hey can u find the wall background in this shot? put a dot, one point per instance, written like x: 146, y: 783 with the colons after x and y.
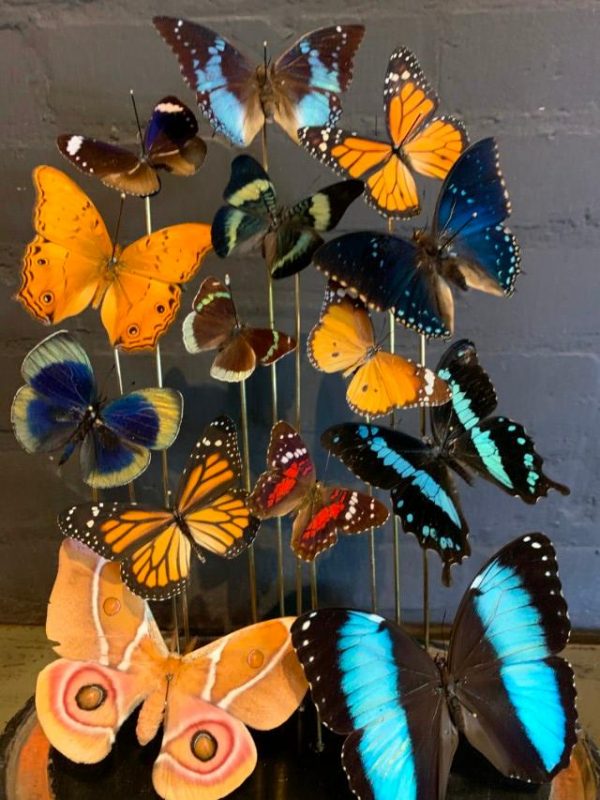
x: 525, y: 72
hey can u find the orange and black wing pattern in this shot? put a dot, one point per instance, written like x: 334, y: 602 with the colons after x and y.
x: 418, y: 142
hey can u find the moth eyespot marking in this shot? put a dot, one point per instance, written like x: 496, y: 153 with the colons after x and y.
x: 255, y: 658
x: 204, y: 746
x: 111, y: 606
x: 90, y: 697
x: 47, y: 297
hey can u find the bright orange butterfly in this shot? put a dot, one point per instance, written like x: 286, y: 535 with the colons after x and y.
x: 419, y: 142
x: 344, y: 341
x: 154, y: 545
x: 72, y: 263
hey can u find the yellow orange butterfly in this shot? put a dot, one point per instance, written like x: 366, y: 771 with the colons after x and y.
x: 114, y: 660
x: 344, y: 341
x: 418, y: 142
x: 71, y: 263
x: 154, y: 545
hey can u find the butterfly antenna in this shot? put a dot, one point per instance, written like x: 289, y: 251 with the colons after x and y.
x: 265, y: 54
x: 461, y: 229
x: 228, y: 285
x: 102, y: 388
x: 117, y: 229
x: 137, y: 121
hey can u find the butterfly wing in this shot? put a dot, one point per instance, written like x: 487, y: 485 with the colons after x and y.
x: 342, y: 338
x: 382, y: 270
x: 289, y: 476
x: 148, y: 417
x: 222, y: 77
x: 374, y: 684
x: 470, y: 211
x: 64, y: 263
x: 310, y: 76
x: 516, y: 695
x: 211, y: 322
x: 60, y: 386
x: 117, y: 167
x: 170, y: 139
x: 268, y: 345
x: 331, y: 509
x: 422, y: 490
x: 251, y: 202
x: 143, y: 299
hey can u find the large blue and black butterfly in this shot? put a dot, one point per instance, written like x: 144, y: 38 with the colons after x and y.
x: 169, y: 143
x: 501, y: 683
x: 289, y: 236
x: 465, y: 439
x: 302, y: 87
x: 59, y: 408
x: 468, y: 246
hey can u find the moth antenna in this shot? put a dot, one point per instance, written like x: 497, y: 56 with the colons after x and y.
x: 137, y: 121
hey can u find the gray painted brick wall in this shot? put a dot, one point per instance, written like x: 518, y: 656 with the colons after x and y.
x: 523, y: 71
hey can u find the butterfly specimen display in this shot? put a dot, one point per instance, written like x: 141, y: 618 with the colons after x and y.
x: 169, y: 142
x: 113, y: 660
x: 418, y: 141
x: 465, y: 439
x: 60, y: 408
x: 501, y: 684
x: 214, y: 325
x: 344, y: 341
x: 154, y: 545
x: 301, y: 87
x: 289, y: 485
x: 72, y: 263
x: 289, y: 236
x: 468, y: 247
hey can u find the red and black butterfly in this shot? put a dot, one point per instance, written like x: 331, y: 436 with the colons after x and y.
x: 214, y: 325
x: 290, y: 485
x: 169, y: 142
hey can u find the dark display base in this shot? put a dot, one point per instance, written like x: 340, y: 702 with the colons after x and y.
x: 289, y: 768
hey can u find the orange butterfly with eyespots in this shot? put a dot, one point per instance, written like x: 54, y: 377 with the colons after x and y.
x: 418, y: 142
x: 155, y: 545
x: 72, y: 263
x: 344, y: 341
x: 113, y: 660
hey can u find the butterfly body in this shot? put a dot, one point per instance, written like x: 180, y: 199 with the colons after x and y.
x: 502, y: 683
x: 114, y: 660
x: 169, y: 143
x: 153, y: 544
x: 300, y: 87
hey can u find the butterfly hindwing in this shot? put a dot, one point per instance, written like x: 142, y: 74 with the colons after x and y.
x: 170, y: 139
x: 373, y: 683
x: 516, y: 696
x: 211, y: 322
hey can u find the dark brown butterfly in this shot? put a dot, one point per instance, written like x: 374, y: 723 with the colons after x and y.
x: 214, y: 325
x: 169, y: 143
x: 301, y: 87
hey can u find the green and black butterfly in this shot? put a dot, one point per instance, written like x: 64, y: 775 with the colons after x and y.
x: 289, y: 236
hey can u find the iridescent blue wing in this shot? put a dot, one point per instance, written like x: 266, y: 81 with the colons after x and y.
x: 148, y: 417
x: 251, y: 204
x: 496, y: 448
x: 470, y: 212
x: 374, y: 684
x: 222, y: 77
x: 421, y: 486
x: 382, y: 270
x: 60, y: 387
x: 309, y: 77
x: 170, y: 140
x: 516, y: 698
x: 290, y: 248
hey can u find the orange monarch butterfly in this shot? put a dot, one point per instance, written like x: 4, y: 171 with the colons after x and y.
x: 418, y: 142
x: 344, y: 341
x: 154, y: 545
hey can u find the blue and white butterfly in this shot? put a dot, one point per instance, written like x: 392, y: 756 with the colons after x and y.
x: 501, y: 683
x: 468, y: 247
x: 60, y: 408
x: 466, y: 440
x: 302, y: 87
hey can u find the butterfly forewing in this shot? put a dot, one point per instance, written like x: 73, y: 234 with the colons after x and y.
x: 372, y: 681
x: 290, y: 474
x: 516, y: 696
x: 170, y: 139
x: 211, y: 322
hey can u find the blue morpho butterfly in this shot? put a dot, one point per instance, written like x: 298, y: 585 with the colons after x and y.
x: 302, y: 87
x: 468, y: 246
x: 465, y: 439
x: 501, y: 683
x: 289, y: 236
x: 169, y: 143
x: 59, y: 408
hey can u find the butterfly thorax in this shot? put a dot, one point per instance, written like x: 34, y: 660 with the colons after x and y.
x: 435, y: 256
x: 266, y: 90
